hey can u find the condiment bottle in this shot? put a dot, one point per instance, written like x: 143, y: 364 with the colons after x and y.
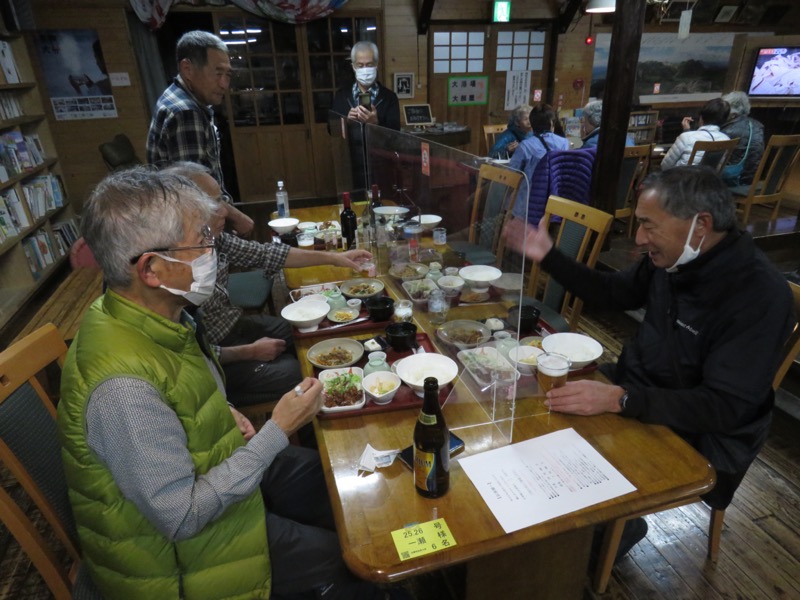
x: 377, y: 362
x: 438, y: 306
x: 434, y: 272
x: 336, y: 299
x: 431, y: 445
x: 403, y: 310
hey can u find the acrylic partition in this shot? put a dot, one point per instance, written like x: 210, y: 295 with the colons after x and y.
x: 417, y: 178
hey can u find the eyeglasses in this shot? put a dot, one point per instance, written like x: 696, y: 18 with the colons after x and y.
x: 209, y: 241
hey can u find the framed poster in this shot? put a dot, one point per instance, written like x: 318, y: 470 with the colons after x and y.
x: 467, y: 91
x: 418, y: 114
x: 404, y: 85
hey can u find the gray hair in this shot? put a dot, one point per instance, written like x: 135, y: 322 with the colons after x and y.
x: 685, y: 191
x: 186, y: 168
x: 361, y: 47
x: 194, y: 46
x: 136, y: 210
x: 522, y: 111
x: 739, y: 102
x: 592, y: 113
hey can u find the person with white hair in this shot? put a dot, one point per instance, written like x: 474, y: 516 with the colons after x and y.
x: 519, y: 129
x: 383, y: 108
x: 590, y: 123
x: 744, y: 159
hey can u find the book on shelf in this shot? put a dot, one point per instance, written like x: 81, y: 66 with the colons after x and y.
x: 9, y: 107
x: 60, y: 246
x: 35, y: 148
x: 14, y: 140
x: 45, y: 247
x: 16, y: 210
x: 7, y: 224
x: 68, y: 231
x: 7, y: 63
x: 30, y: 248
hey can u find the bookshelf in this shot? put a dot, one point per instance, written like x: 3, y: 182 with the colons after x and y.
x: 643, y: 125
x: 37, y: 224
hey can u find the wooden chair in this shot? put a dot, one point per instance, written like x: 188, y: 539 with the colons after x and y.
x: 635, y: 162
x: 493, y: 202
x: 773, y: 170
x: 715, y: 153
x: 613, y: 532
x: 490, y: 134
x: 580, y: 235
x: 30, y: 449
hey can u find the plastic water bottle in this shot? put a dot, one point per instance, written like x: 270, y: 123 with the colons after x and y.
x: 282, y: 198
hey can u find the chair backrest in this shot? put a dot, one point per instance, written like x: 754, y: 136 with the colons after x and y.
x: 490, y: 134
x: 776, y: 163
x: 494, y: 200
x: 715, y: 154
x: 119, y: 153
x: 581, y: 234
x: 791, y: 348
x: 635, y: 161
x: 30, y: 449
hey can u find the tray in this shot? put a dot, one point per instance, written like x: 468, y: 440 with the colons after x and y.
x: 345, y: 330
x: 405, y: 397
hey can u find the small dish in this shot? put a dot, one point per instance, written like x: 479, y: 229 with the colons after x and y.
x: 524, y: 358
x: 419, y: 290
x: 342, y: 389
x: 343, y: 315
x: 473, y: 297
x: 532, y: 340
x: 408, y: 271
x: 381, y: 386
x: 464, y: 334
x: 335, y: 353
x: 307, y: 226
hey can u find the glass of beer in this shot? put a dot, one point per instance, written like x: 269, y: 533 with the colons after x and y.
x: 552, y: 370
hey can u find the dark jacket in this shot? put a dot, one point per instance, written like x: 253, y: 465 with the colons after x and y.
x: 738, y: 127
x: 703, y: 360
x: 385, y: 103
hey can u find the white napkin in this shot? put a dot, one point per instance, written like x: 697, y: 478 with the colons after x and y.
x: 372, y: 459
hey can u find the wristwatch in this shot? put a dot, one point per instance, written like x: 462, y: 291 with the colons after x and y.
x: 623, y: 400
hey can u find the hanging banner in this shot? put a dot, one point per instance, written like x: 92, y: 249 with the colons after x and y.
x: 518, y: 89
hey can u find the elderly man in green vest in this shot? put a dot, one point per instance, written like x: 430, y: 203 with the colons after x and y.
x: 174, y: 493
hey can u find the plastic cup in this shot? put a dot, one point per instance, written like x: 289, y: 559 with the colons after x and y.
x: 552, y: 370
x: 305, y: 240
x: 439, y: 236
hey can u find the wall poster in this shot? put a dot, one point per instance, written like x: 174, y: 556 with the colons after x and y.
x: 692, y: 69
x: 466, y: 91
x: 75, y: 73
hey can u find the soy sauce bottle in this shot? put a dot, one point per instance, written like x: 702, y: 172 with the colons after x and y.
x: 431, y: 445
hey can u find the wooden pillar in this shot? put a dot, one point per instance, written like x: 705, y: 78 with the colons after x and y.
x: 623, y: 56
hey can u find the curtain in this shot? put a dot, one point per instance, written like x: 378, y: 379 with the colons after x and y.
x: 145, y: 47
x: 154, y: 12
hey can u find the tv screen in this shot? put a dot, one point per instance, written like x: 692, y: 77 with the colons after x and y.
x: 777, y: 72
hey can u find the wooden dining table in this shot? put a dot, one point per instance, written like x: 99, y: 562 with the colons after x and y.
x: 545, y: 561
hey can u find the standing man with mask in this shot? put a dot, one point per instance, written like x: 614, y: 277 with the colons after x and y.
x: 183, y: 127
x: 383, y: 108
x: 718, y: 314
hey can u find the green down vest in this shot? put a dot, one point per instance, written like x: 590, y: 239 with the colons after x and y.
x: 128, y: 557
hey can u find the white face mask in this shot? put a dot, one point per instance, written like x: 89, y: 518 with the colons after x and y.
x: 366, y: 76
x: 204, y: 277
x: 688, y: 254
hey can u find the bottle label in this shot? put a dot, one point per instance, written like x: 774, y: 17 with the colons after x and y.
x: 425, y: 470
x: 426, y: 419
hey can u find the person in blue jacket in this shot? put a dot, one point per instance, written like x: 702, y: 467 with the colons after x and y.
x: 519, y: 129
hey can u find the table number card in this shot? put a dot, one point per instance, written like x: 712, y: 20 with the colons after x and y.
x: 422, y: 538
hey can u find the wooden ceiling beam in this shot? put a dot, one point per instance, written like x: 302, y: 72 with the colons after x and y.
x: 566, y: 16
x: 425, y: 12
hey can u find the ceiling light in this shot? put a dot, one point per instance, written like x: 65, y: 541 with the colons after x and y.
x: 601, y: 6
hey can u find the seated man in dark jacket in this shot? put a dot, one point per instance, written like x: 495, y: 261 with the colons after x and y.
x: 718, y: 313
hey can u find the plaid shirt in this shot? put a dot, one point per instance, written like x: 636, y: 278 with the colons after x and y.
x: 182, y: 129
x: 219, y: 315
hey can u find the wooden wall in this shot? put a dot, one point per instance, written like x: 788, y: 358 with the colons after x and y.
x: 77, y: 141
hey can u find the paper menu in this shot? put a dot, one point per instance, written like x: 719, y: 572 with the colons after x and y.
x: 540, y: 479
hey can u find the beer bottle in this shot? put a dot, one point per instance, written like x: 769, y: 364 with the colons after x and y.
x: 431, y: 445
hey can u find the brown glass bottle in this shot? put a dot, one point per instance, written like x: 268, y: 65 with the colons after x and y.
x: 431, y: 445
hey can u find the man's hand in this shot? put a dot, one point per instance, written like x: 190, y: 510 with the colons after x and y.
x: 526, y: 239
x: 266, y: 349
x: 240, y: 223
x: 351, y: 258
x: 295, y: 410
x: 686, y: 123
x: 243, y: 423
x: 512, y: 146
x: 364, y: 115
x: 585, y: 397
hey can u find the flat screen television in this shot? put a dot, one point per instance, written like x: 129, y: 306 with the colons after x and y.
x: 776, y: 73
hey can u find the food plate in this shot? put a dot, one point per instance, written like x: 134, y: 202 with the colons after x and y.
x: 323, y: 288
x: 342, y: 385
x: 419, y: 290
x: 486, y: 365
x: 473, y: 297
x: 325, y: 225
x: 408, y: 271
x: 320, y: 354
x: 532, y: 340
x: 361, y: 288
x: 343, y: 315
x: 464, y: 334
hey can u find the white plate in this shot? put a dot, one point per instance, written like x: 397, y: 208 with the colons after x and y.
x: 347, y: 286
x: 329, y: 374
x: 351, y: 312
x: 480, y: 362
x: 321, y: 348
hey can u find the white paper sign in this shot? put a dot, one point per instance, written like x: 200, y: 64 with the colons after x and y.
x: 518, y: 89
x: 543, y: 478
x: 120, y: 79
